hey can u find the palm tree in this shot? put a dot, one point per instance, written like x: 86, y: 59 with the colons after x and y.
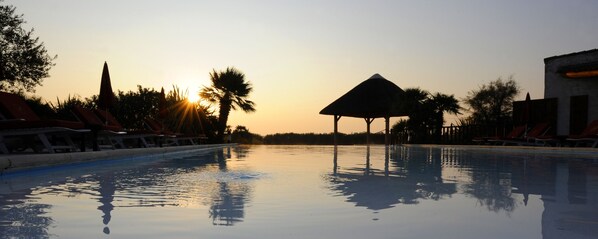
x: 441, y: 103
x: 414, y: 102
x: 444, y: 103
x: 230, y: 90
x: 426, y: 112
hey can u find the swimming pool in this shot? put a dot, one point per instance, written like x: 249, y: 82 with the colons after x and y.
x: 311, y: 192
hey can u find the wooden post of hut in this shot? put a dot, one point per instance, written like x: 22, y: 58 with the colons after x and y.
x: 386, y: 132
x: 368, y: 121
x: 336, y: 119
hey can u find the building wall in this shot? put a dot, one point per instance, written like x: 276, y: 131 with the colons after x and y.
x: 556, y: 85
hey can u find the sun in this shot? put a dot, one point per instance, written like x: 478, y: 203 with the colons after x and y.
x: 193, y: 96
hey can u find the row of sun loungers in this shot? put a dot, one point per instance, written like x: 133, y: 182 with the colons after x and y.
x: 21, y: 129
x: 537, y: 136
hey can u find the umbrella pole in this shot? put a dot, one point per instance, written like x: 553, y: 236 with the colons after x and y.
x: 336, y: 119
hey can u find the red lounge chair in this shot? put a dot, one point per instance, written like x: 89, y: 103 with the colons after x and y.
x: 22, y: 124
x: 530, y: 137
x: 146, y: 138
x: 516, y: 133
x: 588, y: 135
x: 99, y: 130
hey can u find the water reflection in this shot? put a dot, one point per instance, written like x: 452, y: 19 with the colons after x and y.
x: 19, y: 219
x: 189, y: 181
x: 523, y: 194
x: 405, y: 183
x: 106, y: 190
x: 500, y: 182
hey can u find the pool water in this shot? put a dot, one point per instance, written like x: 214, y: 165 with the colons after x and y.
x: 311, y: 192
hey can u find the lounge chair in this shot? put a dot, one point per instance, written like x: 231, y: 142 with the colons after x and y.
x: 174, y: 137
x: 516, y: 133
x: 526, y: 137
x: 20, y: 128
x: 109, y: 133
x: 588, y: 136
x: 145, y: 138
x: 531, y: 136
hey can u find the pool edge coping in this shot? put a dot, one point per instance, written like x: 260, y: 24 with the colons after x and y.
x: 15, y: 162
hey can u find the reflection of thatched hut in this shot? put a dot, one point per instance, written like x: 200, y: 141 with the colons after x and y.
x: 377, y: 192
x: 374, y: 98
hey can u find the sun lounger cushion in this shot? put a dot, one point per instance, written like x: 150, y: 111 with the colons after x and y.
x: 16, y: 108
x: 92, y: 121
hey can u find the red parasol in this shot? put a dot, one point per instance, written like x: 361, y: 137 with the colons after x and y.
x: 526, y: 112
x: 106, y: 98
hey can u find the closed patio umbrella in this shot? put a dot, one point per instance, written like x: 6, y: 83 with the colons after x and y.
x: 526, y: 112
x: 106, y: 98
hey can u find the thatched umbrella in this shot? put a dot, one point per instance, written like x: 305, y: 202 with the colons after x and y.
x: 106, y: 98
x: 376, y: 97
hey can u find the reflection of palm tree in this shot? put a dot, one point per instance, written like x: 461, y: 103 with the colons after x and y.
x: 230, y: 90
x: 228, y: 206
x: 228, y: 202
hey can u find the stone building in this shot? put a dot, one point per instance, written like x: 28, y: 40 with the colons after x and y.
x: 573, y: 80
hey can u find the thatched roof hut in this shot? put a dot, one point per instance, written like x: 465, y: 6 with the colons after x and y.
x: 376, y: 97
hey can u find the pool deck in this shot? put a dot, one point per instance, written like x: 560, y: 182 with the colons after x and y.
x: 562, y: 152
x: 20, y: 162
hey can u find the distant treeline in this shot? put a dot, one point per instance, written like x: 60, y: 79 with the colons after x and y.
x: 322, y: 139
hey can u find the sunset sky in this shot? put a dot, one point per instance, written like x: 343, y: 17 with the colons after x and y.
x: 302, y: 55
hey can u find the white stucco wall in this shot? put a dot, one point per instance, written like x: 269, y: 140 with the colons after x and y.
x: 557, y: 86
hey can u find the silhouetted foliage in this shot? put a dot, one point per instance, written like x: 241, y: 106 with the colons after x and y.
x: 24, y: 61
x: 64, y: 108
x: 493, y: 103
x: 230, y: 90
x: 132, y: 107
x: 40, y: 107
x: 242, y: 135
x: 188, y: 117
x: 426, y: 114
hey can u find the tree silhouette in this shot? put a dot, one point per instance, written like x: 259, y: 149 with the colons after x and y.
x: 24, y: 61
x: 493, y: 103
x: 230, y: 90
x: 441, y: 103
x: 426, y: 112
